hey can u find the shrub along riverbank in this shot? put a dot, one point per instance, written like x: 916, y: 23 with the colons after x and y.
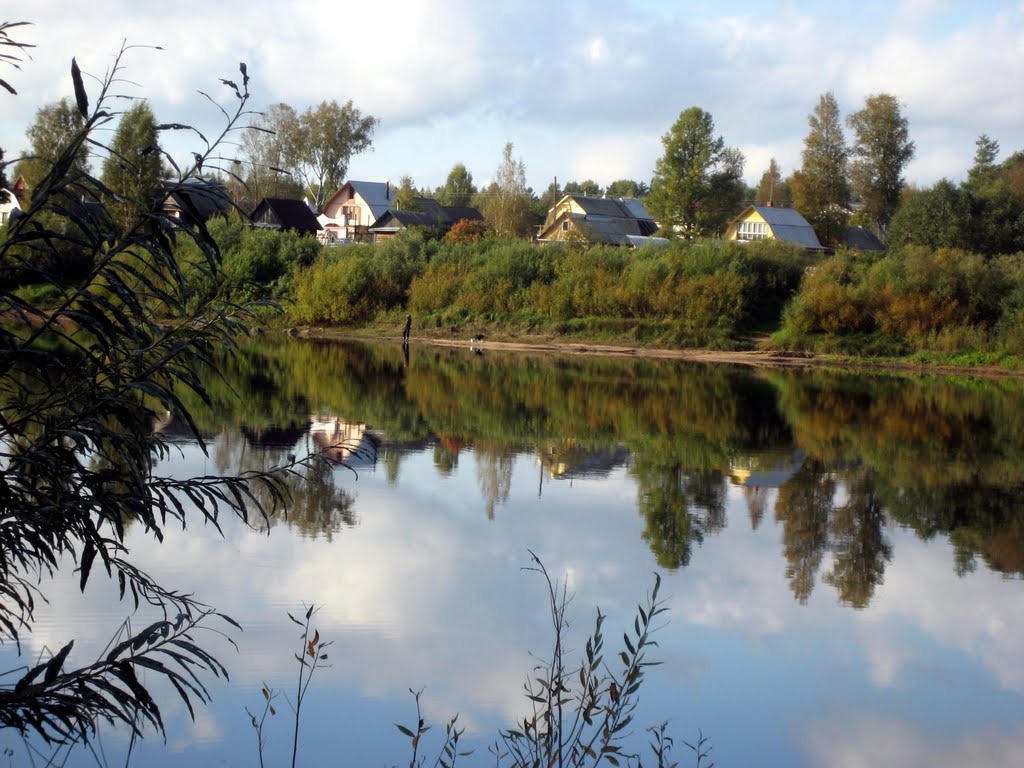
x: 929, y: 305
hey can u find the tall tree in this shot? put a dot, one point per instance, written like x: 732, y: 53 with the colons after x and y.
x: 882, y: 148
x: 697, y: 182
x: 821, y: 188
x: 132, y: 169
x: 507, y: 206
x: 326, y: 138
x: 984, y: 171
x: 53, y: 130
x: 772, y: 189
x: 267, y: 166
x: 458, y: 188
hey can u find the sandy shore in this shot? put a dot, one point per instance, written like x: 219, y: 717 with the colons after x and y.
x: 753, y: 358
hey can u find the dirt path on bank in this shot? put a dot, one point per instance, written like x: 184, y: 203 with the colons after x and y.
x: 757, y: 358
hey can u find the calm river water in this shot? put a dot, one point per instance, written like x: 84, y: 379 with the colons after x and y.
x: 841, y: 555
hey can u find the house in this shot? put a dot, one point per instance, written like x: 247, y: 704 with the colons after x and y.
x: 615, y: 221
x: 427, y: 213
x: 192, y: 199
x: 353, y: 209
x: 768, y: 222
x: 284, y: 214
x: 13, y: 199
x: 862, y: 239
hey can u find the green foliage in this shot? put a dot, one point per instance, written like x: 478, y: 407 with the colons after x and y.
x: 697, y: 183
x: 56, y: 127
x: 881, y: 150
x: 131, y: 172
x: 82, y: 383
x: 267, y: 167
x: 507, y: 205
x: 458, y: 188
x: 820, y: 188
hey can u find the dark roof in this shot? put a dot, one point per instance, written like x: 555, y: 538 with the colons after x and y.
x: 210, y: 198
x: 610, y: 206
x: 862, y: 239
x: 429, y: 213
x: 282, y: 213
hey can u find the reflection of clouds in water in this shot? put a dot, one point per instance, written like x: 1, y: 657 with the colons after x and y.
x: 426, y: 592
x: 884, y: 743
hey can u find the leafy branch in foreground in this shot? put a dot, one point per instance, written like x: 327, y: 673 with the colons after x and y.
x: 81, y: 382
x: 581, y: 715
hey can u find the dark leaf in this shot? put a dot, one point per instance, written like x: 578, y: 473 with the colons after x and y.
x: 81, y: 98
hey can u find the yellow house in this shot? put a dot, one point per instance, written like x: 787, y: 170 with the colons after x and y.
x: 766, y: 222
x: 615, y: 221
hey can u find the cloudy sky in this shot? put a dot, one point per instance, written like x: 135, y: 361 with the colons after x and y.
x: 583, y: 88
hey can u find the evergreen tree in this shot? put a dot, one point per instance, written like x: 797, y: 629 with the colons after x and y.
x: 821, y: 189
x: 132, y: 169
x: 697, y: 183
x: 882, y: 148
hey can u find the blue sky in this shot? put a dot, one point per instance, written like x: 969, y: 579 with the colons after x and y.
x: 584, y: 89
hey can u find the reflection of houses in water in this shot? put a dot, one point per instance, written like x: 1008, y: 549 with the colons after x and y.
x: 175, y: 429
x: 569, y: 461
x: 339, y: 441
x: 276, y: 437
x: 765, y: 469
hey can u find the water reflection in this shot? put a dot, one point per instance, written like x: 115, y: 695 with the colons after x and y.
x: 836, y: 458
x: 777, y: 502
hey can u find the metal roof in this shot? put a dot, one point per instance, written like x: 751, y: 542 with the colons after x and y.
x: 786, y: 224
x: 377, y: 194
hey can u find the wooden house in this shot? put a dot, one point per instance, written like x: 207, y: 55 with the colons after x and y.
x: 768, y: 222
x: 615, y: 221
x: 195, y: 199
x: 284, y: 214
x: 427, y: 213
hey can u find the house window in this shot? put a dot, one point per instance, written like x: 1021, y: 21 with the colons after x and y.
x: 3, y: 217
x: 350, y: 213
x: 752, y: 230
x: 565, y: 226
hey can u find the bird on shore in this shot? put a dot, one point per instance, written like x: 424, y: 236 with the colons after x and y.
x: 475, y: 339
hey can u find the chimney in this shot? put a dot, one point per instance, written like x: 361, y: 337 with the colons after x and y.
x: 387, y: 190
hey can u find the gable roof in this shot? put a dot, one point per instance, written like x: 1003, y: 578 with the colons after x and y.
x: 862, y: 239
x: 284, y: 213
x: 378, y: 195
x: 785, y: 223
x: 210, y: 198
x: 607, y: 220
x: 429, y: 213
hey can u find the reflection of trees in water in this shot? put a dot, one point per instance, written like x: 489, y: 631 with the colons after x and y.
x: 757, y: 504
x: 679, y: 508
x: 812, y: 524
x: 494, y: 463
x: 858, y: 543
x: 803, y: 507
x: 318, y: 505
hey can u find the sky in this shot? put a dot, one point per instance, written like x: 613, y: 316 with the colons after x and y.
x: 584, y: 89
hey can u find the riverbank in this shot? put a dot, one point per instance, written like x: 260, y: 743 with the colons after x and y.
x: 760, y: 357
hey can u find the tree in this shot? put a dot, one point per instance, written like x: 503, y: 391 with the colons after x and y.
x: 940, y: 217
x: 821, y: 189
x: 984, y: 171
x: 772, y: 189
x: 132, y: 169
x: 882, y: 148
x: 587, y: 188
x: 3, y: 176
x: 405, y: 197
x: 267, y: 167
x: 458, y: 188
x: 697, y: 183
x: 81, y: 384
x: 507, y: 206
x: 54, y: 128
x: 627, y: 188
x: 324, y: 140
